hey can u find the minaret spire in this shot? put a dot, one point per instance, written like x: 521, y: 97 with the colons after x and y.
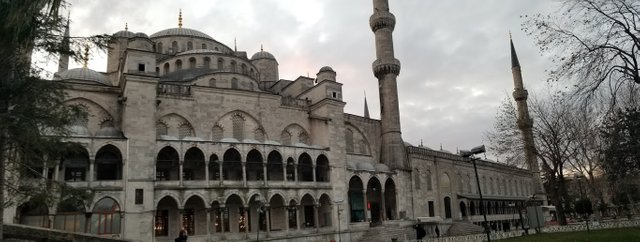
x: 180, y: 18
x: 386, y: 68
x: 63, y: 62
x: 366, y: 106
x: 525, y: 123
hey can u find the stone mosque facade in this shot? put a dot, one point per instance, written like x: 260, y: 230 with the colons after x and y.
x: 185, y: 132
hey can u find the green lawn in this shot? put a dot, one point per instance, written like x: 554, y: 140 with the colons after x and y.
x: 606, y: 235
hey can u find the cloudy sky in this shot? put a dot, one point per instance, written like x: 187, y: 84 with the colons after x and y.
x: 454, y: 54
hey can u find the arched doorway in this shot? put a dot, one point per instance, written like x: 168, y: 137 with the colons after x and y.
x: 277, y: 213
x: 374, y: 200
x: 390, y: 199
x: 194, y: 221
x: 463, y: 209
x: 447, y: 207
x: 166, y: 217
x: 356, y: 200
x: 308, y: 206
x: 234, y: 216
x: 324, y: 211
x: 106, y: 217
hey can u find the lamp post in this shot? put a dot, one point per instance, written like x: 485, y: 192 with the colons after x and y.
x: 579, y: 178
x: 468, y: 154
x: 338, y: 202
x: 260, y: 211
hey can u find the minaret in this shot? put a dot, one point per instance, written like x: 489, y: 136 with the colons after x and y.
x: 525, y: 123
x: 63, y: 62
x: 386, y: 68
x: 366, y: 106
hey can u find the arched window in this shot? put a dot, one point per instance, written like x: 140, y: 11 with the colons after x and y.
x: 166, y: 68
x: 174, y: 47
x: 234, y: 83
x: 217, y: 133
x: 220, y: 63
x: 356, y: 199
x: 274, y: 166
x: 238, y: 126
x: 185, y: 130
x: 349, y: 140
x: 161, y: 129
x: 429, y: 181
x: 447, y: 207
x: 460, y: 184
x: 167, y: 164
x: 303, y: 138
x: 76, y: 165
x: 189, y: 45
x: 108, y: 163
x: 232, y: 165
x: 233, y: 66
x: 254, y: 166
x: 193, y: 165
x: 106, y: 217
x: 159, y: 48
x: 363, y: 147
x: 291, y: 170
x: 207, y: 62
x: 285, y: 138
x: 204, y: 46
x: 243, y: 68
x: 192, y: 63
x: 212, y: 82
x: 259, y: 134
x: 178, y: 65
x: 305, y: 168
x: 322, y: 169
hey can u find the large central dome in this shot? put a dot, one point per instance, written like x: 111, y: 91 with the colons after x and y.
x: 181, y: 32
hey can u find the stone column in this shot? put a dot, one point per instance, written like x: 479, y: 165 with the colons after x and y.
x: 221, y: 176
x: 208, y: 211
x: 298, y: 220
x: 91, y: 176
x: 366, y: 209
x: 180, y: 175
x: 222, y: 210
x: 284, y: 172
x: 265, y: 174
x: 316, y: 220
x: 295, y: 173
x: 383, y: 205
x: 56, y: 173
x: 244, y: 174
x: 288, y: 218
x: 206, y: 171
x: 314, y: 173
x: 247, y: 225
x: 267, y: 213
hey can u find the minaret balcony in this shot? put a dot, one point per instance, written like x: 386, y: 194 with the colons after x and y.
x: 520, y: 94
x: 382, y: 67
x: 382, y: 19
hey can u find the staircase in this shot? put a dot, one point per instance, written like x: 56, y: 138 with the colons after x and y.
x: 463, y: 228
x: 387, y: 232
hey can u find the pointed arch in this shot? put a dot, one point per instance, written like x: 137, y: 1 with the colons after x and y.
x: 194, y: 165
x: 390, y: 199
x: 108, y: 163
x: 323, y: 170
x: 232, y: 165
x: 305, y: 167
x: 167, y: 164
x: 254, y: 166
x: 274, y: 166
x: 356, y: 199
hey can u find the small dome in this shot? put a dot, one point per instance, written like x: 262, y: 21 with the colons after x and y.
x: 124, y: 34
x: 83, y: 74
x: 262, y: 55
x: 365, y: 166
x: 141, y: 35
x: 181, y: 32
x: 109, y: 132
x: 79, y: 131
x: 382, y: 167
x: 326, y: 68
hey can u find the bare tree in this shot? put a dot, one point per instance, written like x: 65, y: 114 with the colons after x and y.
x: 595, y: 44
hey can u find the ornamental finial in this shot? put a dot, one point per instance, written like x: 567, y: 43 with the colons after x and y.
x: 180, y: 18
x: 86, y: 56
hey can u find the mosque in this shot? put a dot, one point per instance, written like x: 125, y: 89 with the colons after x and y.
x: 187, y: 133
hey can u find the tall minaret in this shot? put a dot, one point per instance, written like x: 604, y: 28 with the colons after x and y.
x: 63, y: 62
x: 366, y: 107
x: 525, y: 123
x: 386, y: 68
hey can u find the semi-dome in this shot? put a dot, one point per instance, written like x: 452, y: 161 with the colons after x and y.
x: 83, y: 74
x: 124, y: 34
x: 326, y: 68
x: 262, y: 55
x: 181, y: 32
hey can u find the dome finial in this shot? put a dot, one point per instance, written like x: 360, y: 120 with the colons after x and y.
x: 261, y: 49
x: 180, y: 18
x: 86, y: 56
x: 126, y: 26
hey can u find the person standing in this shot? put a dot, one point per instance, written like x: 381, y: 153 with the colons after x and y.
x: 182, y: 237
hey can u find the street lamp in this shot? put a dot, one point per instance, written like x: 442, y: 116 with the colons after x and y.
x: 579, y: 178
x: 338, y: 202
x: 260, y: 209
x: 468, y: 154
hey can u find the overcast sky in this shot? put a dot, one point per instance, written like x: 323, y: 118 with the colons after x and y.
x: 454, y: 53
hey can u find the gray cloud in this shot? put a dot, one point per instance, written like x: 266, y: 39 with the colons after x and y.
x: 454, y: 54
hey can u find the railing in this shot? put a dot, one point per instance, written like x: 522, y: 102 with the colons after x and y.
x: 548, y: 229
x: 294, y: 102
